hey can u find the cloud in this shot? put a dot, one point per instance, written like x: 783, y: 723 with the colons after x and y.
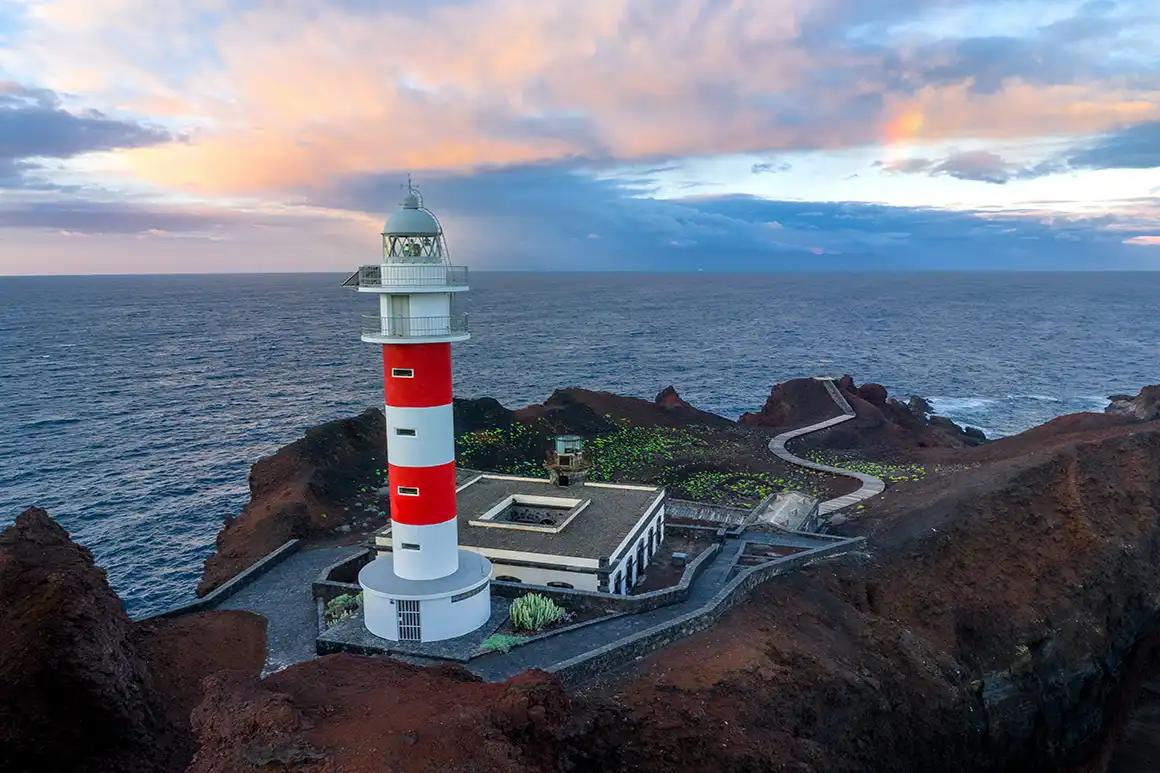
x: 771, y: 167
x: 545, y: 217
x: 1144, y: 241
x: 94, y: 218
x: 279, y: 96
x: 1134, y: 147
x: 542, y: 216
x: 33, y: 125
x: 519, y: 117
x: 973, y: 165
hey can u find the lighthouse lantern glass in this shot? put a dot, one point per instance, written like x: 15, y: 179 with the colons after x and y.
x: 412, y: 249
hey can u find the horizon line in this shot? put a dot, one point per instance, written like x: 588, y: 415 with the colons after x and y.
x: 714, y: 271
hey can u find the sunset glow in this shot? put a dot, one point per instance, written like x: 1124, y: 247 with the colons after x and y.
x: 635, y: 119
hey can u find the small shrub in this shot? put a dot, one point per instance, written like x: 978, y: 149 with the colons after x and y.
x: 534, y: 612
x: 342, y: 606
x: 497, y: 642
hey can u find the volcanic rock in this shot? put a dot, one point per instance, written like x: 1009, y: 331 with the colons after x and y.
x: 587, y: 412
x: 875, y: 394
x: 1144, y: 406
x: 882, y: 423
x: 351, y: 713
x: 182, y: 651
x: 300, y: 492
x: 480, y: 413
x: 75, y: 691
x: 919, y: 406
x: 668, y: 398
x: 794, y: 404
x: 985, y: 627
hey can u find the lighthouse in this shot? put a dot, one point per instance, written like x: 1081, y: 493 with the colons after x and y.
x: 425, y: 588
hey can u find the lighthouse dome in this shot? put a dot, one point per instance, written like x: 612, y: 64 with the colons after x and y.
x: 410, y: 219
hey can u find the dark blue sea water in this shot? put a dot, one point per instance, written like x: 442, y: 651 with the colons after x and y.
x: 132, y: 407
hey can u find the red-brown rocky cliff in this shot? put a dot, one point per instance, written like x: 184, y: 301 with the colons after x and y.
x: 985, y: 628
x: 882, y: 425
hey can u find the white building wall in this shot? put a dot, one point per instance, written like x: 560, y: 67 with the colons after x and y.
x: 536, y: 576
x: 431, y: 305
x: 628, y: 581
x: 438, y: 553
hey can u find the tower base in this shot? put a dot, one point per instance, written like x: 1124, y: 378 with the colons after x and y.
x: 398, y: 609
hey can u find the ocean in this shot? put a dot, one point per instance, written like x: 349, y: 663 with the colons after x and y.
x: 132, y: 407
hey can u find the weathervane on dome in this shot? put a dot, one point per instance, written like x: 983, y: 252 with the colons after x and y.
x: 413, y: 190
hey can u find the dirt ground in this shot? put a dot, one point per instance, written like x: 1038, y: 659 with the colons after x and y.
x: 660, y: 572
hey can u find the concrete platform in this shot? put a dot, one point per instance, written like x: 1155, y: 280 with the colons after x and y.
x: 351, y: 635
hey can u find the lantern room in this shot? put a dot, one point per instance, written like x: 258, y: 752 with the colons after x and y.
x: 412, y: 234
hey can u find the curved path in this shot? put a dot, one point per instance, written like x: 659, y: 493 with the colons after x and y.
x: 871, y: 486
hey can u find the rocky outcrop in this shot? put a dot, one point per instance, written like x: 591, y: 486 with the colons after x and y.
x: 1144, y: 406
x: 75, y: 691
x: 586, y: 411
x: 668, y: 398
x: 349, y: 713
x: 308, y: 489
x: 182, y: 651
x: 986, y: 628
x: 480, y: 413
x: 794, y: 404
x: 882, y: 423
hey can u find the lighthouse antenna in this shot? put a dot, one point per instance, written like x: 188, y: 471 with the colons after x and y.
x: 413, y: 188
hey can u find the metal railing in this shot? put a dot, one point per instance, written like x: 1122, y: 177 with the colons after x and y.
x: 414, y: 275
x: 414, y: 327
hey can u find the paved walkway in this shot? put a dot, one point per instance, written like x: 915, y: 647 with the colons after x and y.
x: 871, y: 486
x: 556, y: 649
x: 284, y: 596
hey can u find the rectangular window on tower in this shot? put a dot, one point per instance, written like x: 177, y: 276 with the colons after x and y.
x: 405, y: 432
x: 408, y: 491
x: 408, y: 546
x: 402, y: 373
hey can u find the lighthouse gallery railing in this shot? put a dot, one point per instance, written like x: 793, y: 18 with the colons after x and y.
x: 414, y: 275
x: 414, y: 327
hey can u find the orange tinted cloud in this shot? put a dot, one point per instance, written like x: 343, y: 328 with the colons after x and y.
x: 292, y: 94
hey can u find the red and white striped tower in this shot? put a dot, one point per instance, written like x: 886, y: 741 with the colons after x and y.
x: 427, y: 588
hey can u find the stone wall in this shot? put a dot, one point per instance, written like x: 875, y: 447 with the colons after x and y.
x: 616, y: 654
x: 244, y: 578
x: 325, y: 589
x: 704, y: 511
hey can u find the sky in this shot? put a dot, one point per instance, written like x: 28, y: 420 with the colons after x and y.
x: 189, y: 136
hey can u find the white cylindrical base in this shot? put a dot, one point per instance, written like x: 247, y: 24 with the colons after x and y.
x: 397, y: 609
x: 425, y: 552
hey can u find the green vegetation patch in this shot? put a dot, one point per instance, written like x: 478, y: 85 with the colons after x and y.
x: 498, y: 642
x: 638, y: 450
x: 515, y: 449
x: 888, y: 471
x: 745, y: 487
x: 342, y: 606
